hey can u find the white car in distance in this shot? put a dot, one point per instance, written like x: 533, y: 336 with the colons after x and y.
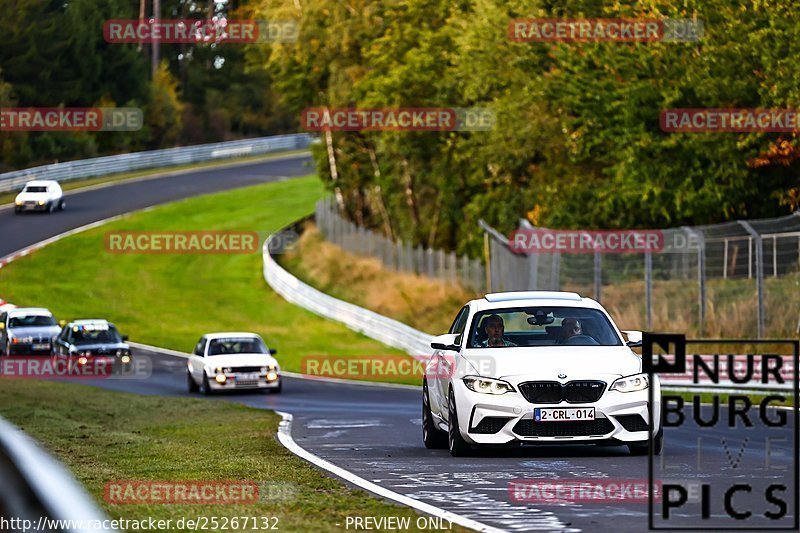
x: 232, y: 361
x: 537, y: 367
x: 40, y: 195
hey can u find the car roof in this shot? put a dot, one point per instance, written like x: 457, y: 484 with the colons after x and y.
x: 89, y: 321
x: 501, y: 300
x: 227, y: 334
x: 29, y: 311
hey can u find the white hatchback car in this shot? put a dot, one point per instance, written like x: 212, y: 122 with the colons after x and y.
x: 41, y: 195
x: 537, y: 367
x: 232, y: 361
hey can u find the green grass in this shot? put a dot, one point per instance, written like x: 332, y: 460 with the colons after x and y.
x: 171, y: 300
x: 104, y: 436
x: 8, y: 197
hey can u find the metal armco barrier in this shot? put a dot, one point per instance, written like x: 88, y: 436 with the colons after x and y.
x: 114, y: 164
x: 415, y: 342
x: 36, y: 488
x: 378, y: 327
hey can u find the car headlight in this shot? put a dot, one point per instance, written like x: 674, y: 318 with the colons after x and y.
x: 221, y: 378
x: 633, y: 383
x: 125, y: 359
x: 19, y: 202
x: 41, y: 202
x: 487, y: 385
x: 220, y: 370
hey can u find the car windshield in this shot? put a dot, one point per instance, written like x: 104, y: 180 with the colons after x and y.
x: 236, y: 345
x: 31, y: 321
x: 35, y: 188
x: 95, y: 334
x: 542, y: 326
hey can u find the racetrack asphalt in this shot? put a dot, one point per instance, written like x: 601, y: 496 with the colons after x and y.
x: 375, y: 432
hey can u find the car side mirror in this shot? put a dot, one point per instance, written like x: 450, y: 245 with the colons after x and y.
x: 634, y: 338
x: 273, y: 351
x: 62, y: 323
x: 124, y: 338
x: 446, y: 342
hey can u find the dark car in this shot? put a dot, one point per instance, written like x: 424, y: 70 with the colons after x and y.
x: 88, y: 343
x: 27, y: 331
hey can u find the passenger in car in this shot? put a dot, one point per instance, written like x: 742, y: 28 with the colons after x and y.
x: 495, y: 327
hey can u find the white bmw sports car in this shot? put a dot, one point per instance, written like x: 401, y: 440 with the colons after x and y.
x: 537, y: 368
x: 232, y: 361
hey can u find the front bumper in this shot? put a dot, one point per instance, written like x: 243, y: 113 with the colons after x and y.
x: 236, y: 382
x: 38, y: 347
x: 28, y: 206
x: 502, y: 419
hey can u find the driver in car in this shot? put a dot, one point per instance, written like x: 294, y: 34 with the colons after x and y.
x: 495, y: 328
x: 570, y: 327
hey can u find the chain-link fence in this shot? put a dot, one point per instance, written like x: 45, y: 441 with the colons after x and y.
x: 737, y: 278
x: 398, y: 256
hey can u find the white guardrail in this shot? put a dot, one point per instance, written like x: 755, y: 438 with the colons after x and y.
x: 38, y: 492
x: 114, y: 164
x: 417, y: 343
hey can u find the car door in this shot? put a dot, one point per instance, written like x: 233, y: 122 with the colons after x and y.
x: 197, y: 359
x: 445, y: 361
x: 60, y: 347
x: 3, y: 320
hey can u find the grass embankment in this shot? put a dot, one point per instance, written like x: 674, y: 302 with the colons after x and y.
x: 427, y: 304
x: 8, y: 197
x: 171, y: 300
x: 104, y: 437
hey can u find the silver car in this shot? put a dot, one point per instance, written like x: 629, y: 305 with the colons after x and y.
x: 27, y: 331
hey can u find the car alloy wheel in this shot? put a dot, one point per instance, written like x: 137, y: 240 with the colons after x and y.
x: 456, y: 443
x: 433, y: 437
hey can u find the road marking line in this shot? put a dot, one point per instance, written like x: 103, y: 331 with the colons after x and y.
x: 285, y: 438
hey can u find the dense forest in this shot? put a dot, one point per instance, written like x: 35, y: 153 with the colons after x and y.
x: 577, y: 140
x: 54, y: 53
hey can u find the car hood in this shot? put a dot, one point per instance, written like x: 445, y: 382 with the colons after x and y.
x: 35, y: 331
x: 241, y: 359
x: 547, y: 362
x: 31, y: 196
x: 108, y: 346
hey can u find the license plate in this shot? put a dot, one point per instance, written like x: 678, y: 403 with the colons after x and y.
x: 566, y: 414
x: 41, y: 346
x: 254, y: 375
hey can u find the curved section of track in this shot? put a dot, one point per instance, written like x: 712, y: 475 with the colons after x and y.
x: 374, y: 432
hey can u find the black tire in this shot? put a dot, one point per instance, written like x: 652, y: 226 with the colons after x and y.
x: 204, y: 387
x: 457, y: 445
x: 61, y: 205
x: 192, y: 386
x: 277, y: 389
x: 643, y: 448
x: 51, y: 207
x: 433, y: 437
x: 17, y: 210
